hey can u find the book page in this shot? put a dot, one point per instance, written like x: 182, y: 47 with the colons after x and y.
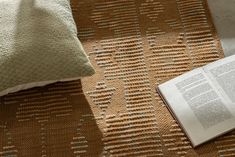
x: 198, y: 106
x: 222, y: 73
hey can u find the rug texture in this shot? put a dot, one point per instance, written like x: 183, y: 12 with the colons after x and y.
x: 134, y: 45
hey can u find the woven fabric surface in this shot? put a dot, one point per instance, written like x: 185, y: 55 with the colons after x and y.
x: 38, y: 45
x: 134, y: 45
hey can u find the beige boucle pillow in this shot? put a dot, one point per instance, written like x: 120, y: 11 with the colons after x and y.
x: 39, y: 45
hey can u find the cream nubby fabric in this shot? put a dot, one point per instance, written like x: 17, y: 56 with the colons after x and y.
x: 39, y: 45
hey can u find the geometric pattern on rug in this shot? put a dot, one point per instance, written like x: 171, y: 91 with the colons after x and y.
x: 134, y: 45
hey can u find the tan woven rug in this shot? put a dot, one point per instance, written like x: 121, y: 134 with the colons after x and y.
x: 134, y: 45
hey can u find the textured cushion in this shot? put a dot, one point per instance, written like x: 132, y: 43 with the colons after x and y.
x: 39, y: 45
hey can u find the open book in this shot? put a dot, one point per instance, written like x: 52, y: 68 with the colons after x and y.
x: 203, y: 100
